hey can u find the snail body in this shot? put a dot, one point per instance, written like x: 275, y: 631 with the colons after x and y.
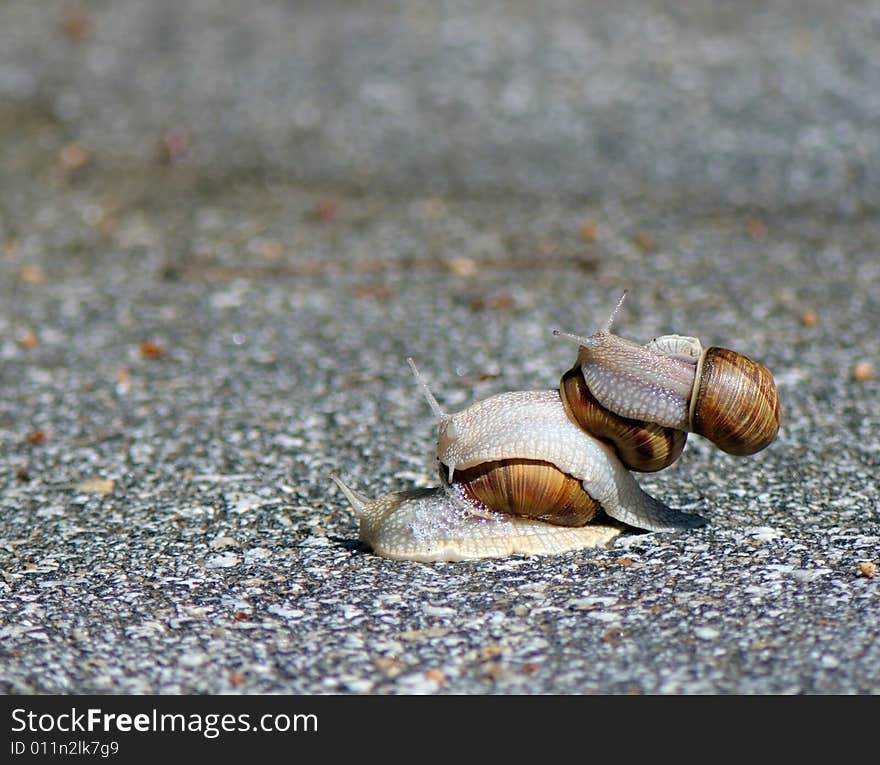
x: 677, y: 384
x: 433, y: 525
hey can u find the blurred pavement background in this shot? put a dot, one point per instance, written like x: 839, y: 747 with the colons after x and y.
x: 223, y: 226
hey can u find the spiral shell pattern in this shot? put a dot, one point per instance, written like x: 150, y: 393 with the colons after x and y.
x: 735, y: 405
x: 529, y: 489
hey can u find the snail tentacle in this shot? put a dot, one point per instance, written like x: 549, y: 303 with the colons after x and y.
x: 356, y: 499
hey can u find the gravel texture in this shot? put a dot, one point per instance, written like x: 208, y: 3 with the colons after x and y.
x: 222, y: 232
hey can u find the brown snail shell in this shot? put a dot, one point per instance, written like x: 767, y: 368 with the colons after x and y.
x: 717, y: 393
x: 642, y: 446
x: 528, y: 489
x: 735, y: 404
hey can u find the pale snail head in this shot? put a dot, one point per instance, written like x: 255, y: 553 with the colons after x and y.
x: 673, y: 382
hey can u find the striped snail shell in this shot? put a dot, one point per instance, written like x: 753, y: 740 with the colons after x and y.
x: 673, y: 382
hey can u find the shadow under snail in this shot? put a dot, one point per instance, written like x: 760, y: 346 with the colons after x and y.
x: 532, y: 472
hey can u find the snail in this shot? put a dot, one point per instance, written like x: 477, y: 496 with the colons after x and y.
x: 677, y: 385
x: 517, y: 476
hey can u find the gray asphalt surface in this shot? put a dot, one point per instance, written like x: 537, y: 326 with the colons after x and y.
x: 221, y: 233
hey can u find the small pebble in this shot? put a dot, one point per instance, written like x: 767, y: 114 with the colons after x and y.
x: 462, y: 266
x: 27, y: 340
x: 324, y: 210
x: 73, y: 156
x: 645, y: 241
x: 436, y: 676
x: 97, y: 486
x: 31, y: 273
x: 151, y: 349
x: 588, y: 232
x: 756, y: 228
x: 863, y: 371
x: 809, y: 318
